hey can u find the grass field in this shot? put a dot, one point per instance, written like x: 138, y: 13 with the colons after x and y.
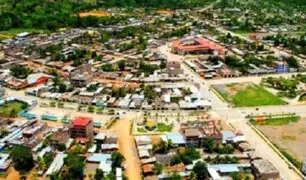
x: 255, y: 95
x: 247, y: 95
x: 17, y: 106
x: 162, y: 127
x: 12, y: 32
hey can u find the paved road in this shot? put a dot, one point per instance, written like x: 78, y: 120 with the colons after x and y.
x: 236, y: 118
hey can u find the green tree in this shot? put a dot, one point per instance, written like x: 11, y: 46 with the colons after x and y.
x: 75, y: 165
x: 121, y: 65
x: 22, y: 158
x: 175, y: 176
x: 91, y: 108
x: 13, y: 113
x: 158, y: 168
x: 117, y: 159
x: 20, y: 71
x: 175, y: 160
x: 163, y: 64
x: 61, y: 147
x: 99, y: 174
x: 200, y: 170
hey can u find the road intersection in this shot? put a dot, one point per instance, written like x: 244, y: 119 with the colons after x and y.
x: 236, y: 118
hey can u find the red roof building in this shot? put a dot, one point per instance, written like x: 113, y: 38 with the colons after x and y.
x: 82, y: 127
x: 196, y: 44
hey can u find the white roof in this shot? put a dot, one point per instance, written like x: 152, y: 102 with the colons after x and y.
x: 57, y: 163
x: 109, y: 146
x: 239, y: 139
x: 143, y: 153
x: 167, y: 98
x: 118, y: 172
x: 202, y: 103
x: 177, y: 92
x: 100, y: 136
x: 92, y: 149
x: 145, y: 147
x: 213, y: 173
x: 69, y: 143
x: 106, y: 166
x: 141, y: 140
x: 3, y: 157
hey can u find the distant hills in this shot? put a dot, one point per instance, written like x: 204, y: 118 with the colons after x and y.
x: 53, y: 14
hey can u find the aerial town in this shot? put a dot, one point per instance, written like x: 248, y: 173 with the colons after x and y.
x: 212, y: 91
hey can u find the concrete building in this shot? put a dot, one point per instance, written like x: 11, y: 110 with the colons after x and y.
x: 196, y: 133
x: 82, y: 128
x: 82, y: 76
x: 174, y: 68
x: 264, y: 170
x: 196, y: 44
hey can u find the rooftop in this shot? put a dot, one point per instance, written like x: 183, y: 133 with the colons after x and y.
x: 81, y: 121
x: 264, y: 166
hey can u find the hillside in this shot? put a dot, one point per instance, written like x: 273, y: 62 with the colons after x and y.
x: 54, y: 14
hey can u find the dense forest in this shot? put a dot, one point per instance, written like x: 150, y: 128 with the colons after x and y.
x: 48, y: 14
x: 54, y: 14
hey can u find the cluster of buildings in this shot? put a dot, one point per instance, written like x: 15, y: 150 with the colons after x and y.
x: 43, y: 139
x: 196, y: 135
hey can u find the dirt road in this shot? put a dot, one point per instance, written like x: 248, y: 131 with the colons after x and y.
x: 128, y: 148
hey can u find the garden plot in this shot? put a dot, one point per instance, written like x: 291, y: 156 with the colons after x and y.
x: 247, y: 95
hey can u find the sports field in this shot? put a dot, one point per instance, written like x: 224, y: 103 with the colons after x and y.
x: 247, y: 95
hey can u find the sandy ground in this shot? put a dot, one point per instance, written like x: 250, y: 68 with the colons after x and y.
x: 95, y: 13
x: 291, y: 137
x: 12, y: 175
x: 128, y: 148
x: 165, y: 12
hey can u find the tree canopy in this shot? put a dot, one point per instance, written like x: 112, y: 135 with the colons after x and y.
x: 22, y: 158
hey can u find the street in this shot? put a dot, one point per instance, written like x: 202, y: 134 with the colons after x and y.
x: 236, y: 118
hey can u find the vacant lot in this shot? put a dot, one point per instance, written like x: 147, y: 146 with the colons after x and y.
x: 165, y: 11
x: 95, y: 13
x: 290, y: 138
x: 12, y: 108
x: 247, y: 95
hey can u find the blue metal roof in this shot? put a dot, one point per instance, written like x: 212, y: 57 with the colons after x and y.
x: 98, y: 157
x: 176, y: 138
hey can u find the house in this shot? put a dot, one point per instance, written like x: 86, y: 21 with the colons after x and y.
x: 221, y: 171
x: 174, y: 68
x: 57, y: 164
x: 193, y: 137
x: 175, y: 138
x: 82, y: 76
x: 104, y: 161
x: 195, y: 133
x: 5, y: 162
x: 82, y: 128
x: 60, y: 137
x: 148, y: 169
x: 264, y: 170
